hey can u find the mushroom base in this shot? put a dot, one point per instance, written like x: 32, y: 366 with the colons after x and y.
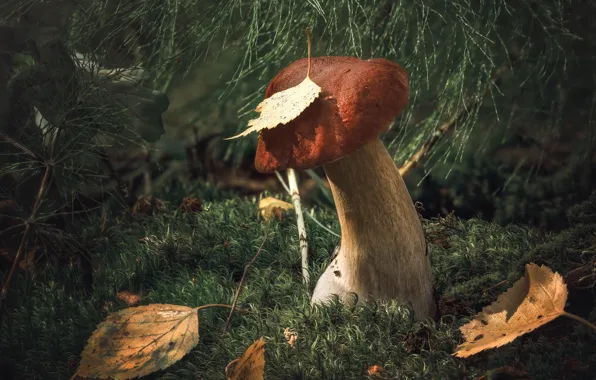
x: 383, y: 250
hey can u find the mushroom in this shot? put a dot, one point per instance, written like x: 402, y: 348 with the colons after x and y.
x: 382, y: 253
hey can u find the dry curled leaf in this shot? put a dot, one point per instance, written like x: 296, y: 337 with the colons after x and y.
x: 137, y: 341
x: 291, y: 336
x: 375, y: 370
x: 271, y: 207
x: 283, y: 107
x: 251, y: 366
x: 534, y: 300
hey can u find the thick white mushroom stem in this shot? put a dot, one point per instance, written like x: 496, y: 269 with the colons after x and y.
x: 383, y: 251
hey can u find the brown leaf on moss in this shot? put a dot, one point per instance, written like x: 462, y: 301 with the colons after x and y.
x: 137, y: 341
x: 251, y: 366
x: 191, y: 205
x: 534, y: 300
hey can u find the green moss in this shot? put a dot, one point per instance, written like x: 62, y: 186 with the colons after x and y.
x: 196, y: 259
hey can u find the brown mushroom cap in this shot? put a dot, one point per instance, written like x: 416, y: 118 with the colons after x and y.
x: 358, y: 101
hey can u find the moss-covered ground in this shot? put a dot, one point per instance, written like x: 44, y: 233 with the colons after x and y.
x: 196, y: 259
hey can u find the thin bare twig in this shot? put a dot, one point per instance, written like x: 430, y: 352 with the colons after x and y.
x: 242, y: 283
x: 504, y: 282
x: 464, y: 111
x: 43, y: 186
x: 208, y: 306
x: 147, y: 180
x: 18, y: 145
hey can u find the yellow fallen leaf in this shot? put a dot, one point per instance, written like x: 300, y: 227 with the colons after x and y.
x: 284, y: 106
x: 534, y: 300
x: 270, y: 207
x: 251, y: 366
x: 137, y: 341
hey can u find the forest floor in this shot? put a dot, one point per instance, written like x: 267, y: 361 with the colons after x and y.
x: 197, y: 258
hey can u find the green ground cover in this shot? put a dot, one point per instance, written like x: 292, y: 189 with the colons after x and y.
x: 196, y: 259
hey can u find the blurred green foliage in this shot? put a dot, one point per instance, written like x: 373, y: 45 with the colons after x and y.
x: 214, y: 62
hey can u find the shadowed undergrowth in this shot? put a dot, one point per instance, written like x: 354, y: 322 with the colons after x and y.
x: 195, y: 259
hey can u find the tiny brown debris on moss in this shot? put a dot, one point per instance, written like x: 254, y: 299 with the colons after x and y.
x: 147, y: 205
x: 375, y: 370
x: 129, y: 298
x: 191, y: 205
x: 439, y: 231
x: 291, y: 336
x: 28, y: 262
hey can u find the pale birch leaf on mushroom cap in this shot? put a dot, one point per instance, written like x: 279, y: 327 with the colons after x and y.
x: 283, y: 107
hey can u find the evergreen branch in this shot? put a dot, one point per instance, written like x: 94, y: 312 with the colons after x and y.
x: 468, y: 108
x: 43, y: 186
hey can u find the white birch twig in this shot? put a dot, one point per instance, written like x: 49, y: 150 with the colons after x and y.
x: 293, y: 188
x: 287, y: 189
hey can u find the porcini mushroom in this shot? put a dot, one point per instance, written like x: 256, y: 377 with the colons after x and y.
x: 382, y: 251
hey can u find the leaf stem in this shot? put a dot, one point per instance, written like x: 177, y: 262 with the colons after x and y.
x: 242, y: 282
x: 308, y: 53
x: 218, y: 305
x: 580, y: 320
